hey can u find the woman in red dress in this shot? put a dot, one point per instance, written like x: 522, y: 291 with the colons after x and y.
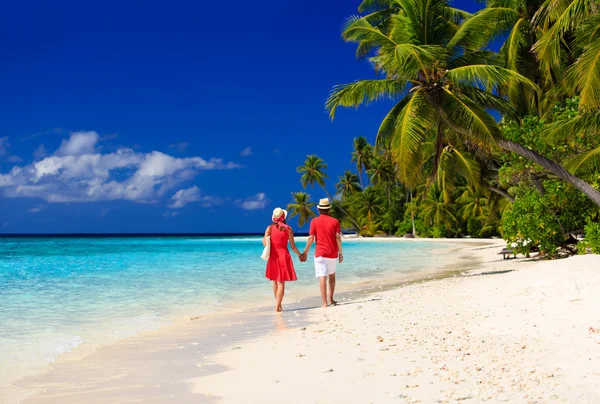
x: 280, y: 268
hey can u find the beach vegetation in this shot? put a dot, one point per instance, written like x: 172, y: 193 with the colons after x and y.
x: 476, y: 142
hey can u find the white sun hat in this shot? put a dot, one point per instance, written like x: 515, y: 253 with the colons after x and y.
x: 277, y: 212
x: 324, y: 204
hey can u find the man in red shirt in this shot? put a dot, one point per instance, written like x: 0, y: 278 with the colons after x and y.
x: 326, y: 231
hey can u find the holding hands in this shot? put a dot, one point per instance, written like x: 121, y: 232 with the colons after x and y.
x: 302, y: 257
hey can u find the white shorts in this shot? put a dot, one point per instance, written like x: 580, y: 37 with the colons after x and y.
x: 324, y: 266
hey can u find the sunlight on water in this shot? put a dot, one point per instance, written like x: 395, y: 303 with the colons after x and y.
x: 59, y: 293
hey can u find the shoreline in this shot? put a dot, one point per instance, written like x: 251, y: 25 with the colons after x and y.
x: 303, y: 297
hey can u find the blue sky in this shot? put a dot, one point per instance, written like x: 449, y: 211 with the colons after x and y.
x: 180, y: 116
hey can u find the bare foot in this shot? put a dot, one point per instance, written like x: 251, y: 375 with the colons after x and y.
x: 324, y: 306
x: 278, y: 309
x: 333, y: 302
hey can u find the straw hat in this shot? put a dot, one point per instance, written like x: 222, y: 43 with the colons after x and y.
x: 324, y: 204
x: 277, y: 212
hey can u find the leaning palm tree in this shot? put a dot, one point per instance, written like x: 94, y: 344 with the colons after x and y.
x: 301, y: 207
x: 443, y: 92
x: 313, y: 173
x: 361, y: 156
x: 348, y: 184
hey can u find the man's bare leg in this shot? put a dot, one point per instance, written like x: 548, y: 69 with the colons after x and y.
x: 280, y: 293
x: 332, y: 288
x: 323, y: 285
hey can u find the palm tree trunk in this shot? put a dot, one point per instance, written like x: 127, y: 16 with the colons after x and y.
x: 412, y: 217
x: 360, y: 176
x: 553, y: 167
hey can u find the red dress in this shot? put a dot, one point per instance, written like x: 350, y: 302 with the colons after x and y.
x: 280, y: 266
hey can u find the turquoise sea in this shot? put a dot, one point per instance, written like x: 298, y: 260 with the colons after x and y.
x: 58, y: 294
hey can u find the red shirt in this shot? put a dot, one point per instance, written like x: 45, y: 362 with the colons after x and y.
x: 325, y: 229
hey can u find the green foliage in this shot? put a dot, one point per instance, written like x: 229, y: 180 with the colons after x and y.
x: 592, y: 238
x: 545, y: 220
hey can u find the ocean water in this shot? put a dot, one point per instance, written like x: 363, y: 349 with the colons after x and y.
x: 57, y: 294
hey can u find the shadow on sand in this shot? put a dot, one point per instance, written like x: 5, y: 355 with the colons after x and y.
x: 505, y: 271
x: 339, y: 304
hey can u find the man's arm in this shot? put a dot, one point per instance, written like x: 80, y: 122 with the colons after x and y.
x: 338, y: 239
x: 309, y: 242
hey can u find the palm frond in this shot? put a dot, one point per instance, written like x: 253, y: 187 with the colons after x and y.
x: 483, y: 26
x: 388, y: 125
x: 557, y: 17
x: 479, y: 57
x: 412, y: 125
x: 489, y: 101
x: 585, y: 162
x: 464, y: 116
x: 361, y: 92
x: 583, y: 76
x: 484, y: 75
x: 358, y: 29
x: 467, y: 166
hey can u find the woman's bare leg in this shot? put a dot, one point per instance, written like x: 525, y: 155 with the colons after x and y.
x: 275, y: 290
x: 279, y: 297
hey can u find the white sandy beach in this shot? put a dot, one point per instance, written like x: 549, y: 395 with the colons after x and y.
x: 517, y: 331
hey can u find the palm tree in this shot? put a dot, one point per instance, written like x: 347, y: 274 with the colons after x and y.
x: 301, y: 207
x: 561, y: 21
x: 312, y: 173
x: 348, y: 184
x: 382, y: 173
x: 435, y: 210
x: 444, y: 90
x: 474, y: 203
x: 513, y: 19
x: 371, y: 204
x: 361, y: 156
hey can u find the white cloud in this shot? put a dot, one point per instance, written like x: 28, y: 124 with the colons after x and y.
x: 256, y: 202
x: 78, y: 173
x: 79, y: 143
x: 246, y: 152
x: 185, y: 196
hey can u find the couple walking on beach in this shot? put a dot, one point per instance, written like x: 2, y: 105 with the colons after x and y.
x: 325, y: 230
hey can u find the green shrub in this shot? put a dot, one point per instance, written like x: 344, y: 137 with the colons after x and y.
x: 592, y: 238
x: 544, y: 220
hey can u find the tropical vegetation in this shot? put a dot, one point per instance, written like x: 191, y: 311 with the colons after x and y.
x: 476, y: 142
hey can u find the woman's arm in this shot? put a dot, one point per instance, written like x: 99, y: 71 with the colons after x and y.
x: 267, y: 233
x: 293, y: 243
